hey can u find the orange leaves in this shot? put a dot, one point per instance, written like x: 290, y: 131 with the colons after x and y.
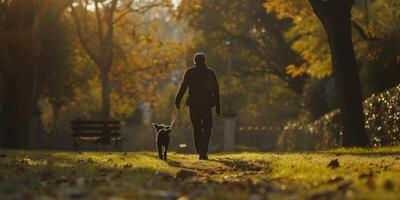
x: 306, y: 35
x: 149, y: 58
x: 189, y: 9
x: 373, y: 55
x: 288, y: 8
x: 294, y: 71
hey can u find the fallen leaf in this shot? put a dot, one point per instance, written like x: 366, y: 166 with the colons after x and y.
x: 335, y: 179
x: 366, y: 175
x: 323, y: 195
x: 73, y: 192
x: 371, y: 183
x: 82, y: 161
x: 389, y: 185
x: 20, y: 169
x: 127, y: 166
x: 183, y: 198
x: 112, y: 176
x: 344, y: 186
x: 43, y: 183
x: 164, y: 176
x: 46, y: 175
x: 89, y: 160
x: 256, y: 197
x: 334, y: 164
x: 80, y: 182
x: 62, y: 180
x: 163, y: 194
x: 184, y: 174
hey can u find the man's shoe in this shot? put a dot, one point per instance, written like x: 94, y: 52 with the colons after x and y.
x: 203, y: 157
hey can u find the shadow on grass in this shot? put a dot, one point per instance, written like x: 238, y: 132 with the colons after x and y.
x: 173, y: 163
x: 240, y: 165
x: 364, y: 152
x: 39, y: 166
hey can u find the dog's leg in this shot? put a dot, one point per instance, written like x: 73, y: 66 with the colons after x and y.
x: 165, y: 152
x: 160, y: 151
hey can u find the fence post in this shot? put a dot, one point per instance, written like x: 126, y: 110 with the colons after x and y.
x: 229, y: 132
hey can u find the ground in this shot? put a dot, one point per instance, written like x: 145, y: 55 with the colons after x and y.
x: 336, y: 174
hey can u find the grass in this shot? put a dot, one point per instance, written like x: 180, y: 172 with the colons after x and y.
x: 358, y: 174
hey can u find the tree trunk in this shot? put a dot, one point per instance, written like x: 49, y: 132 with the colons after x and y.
x: 24, y: 106
x: 105, y: 94
x: 335, y: 16
x: 16, y: 110
x: 8, y: 113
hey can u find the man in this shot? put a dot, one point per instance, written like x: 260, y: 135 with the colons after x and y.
x: 203, y: 96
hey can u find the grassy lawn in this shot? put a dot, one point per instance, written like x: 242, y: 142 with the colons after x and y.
x: 357, y: 174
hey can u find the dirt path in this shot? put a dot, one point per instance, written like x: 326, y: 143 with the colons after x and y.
x: 207, y: 179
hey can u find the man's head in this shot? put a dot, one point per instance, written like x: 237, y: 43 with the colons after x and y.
x: 199, y: 59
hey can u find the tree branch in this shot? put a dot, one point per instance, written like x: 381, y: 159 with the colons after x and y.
x: 83, y: 40
x: 100, y: 30
x: 141, y: 10
x: 108, y: 38
x: 271, y: 68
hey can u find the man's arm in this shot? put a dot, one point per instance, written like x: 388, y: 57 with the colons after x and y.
x: 182, y: 91
x: 217, y: 97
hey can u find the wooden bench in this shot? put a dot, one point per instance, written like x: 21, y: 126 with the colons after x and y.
x: 98, y: 132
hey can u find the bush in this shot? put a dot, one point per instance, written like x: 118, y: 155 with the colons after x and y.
x: 382, y: 123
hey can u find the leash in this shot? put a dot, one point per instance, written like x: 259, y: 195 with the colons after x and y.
x: 176, y: 112
x: 174, y: 117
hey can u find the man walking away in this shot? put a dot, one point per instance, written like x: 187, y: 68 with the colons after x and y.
x: 203, y: 96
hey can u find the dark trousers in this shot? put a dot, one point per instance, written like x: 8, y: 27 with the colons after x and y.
x: 202, y: 121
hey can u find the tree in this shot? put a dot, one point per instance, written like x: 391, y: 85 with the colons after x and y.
x: 335, y: 16
x: 22, y: 25
x: 373, y: 22
x: 259, y: 44
x: 146, y: 51
x: 95, y: 29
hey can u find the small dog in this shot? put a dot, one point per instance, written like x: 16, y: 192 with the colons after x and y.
x: 162, y: 139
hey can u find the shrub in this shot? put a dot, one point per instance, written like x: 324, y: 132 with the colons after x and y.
x: 382, y: 123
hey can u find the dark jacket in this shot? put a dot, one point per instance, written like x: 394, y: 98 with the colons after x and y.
x: 195, y: 79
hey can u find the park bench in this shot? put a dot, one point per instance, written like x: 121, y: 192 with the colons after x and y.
x: 98, y: 132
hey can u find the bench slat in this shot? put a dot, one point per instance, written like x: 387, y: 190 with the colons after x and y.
x: 82, y: 122
x: 96, y: 138
x: 94, y: 135
x: 84, y: 130
x: 94, y: 128
x: 96, y: 132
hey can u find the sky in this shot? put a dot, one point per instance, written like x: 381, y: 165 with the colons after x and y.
x: 176, y: 2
